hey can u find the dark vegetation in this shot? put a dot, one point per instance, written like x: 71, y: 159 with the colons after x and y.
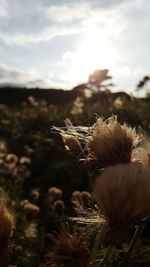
x: 33, y: 159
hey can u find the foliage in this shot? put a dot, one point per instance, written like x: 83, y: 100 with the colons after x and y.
x: 33, y: 159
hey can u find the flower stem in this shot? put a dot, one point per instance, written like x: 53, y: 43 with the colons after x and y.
x: 96, y: 246
x: 106, y: 259
x: 137, y: 233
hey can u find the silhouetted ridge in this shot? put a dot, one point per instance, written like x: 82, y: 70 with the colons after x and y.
x: 12, y: 96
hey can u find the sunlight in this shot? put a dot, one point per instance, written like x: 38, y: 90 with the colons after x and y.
x: 95, y: 51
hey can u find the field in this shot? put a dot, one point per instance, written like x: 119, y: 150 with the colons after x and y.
x: 40, y: 179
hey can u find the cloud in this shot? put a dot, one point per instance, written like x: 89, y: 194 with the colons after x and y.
x: 68, y: 12
x: 109, y: 3
x: 52, y: 35
x: 26, y: 22
x: 7, y: 75
x: 80, y: 11
x: 125, y: 29
x: 40, y: 21
x: 12, y: 75
x: 47, y: 35
x: 29, y: 79
x: 3, y: 8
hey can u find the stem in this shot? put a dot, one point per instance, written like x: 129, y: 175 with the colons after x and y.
x: 98, y: 240
x: 105, y: 260
x: 140, y: 254
x: 137, y: 233
x: 96, y: 245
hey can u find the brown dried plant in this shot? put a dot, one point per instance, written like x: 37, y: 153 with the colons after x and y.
x: 105, y: 143
x: 54, y: 194
x: 68, y: 249
x: 111, y: 143
x: 59, y: 207
x: 30, y: 209
x: 123, y: 194
x: 142, y: 153
x: 73, y: 144
x: 6, y: 228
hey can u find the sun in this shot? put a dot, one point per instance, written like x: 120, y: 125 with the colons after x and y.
x: 95, y: 51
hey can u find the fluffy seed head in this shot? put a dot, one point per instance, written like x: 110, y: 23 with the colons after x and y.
x: 76, y: 196
x: 35, y: 194
x: 25, y: 161
x: 142, y: 154
x: 123, y: 194
x: 111, y: 143
x: 31, y: 210
x: 59, y: 207
x: 54, y: 193
x: 86, y: 197
x: 11, y: 158
x: 69, y: 249
x: 6, y: 227
x: 31, y: 230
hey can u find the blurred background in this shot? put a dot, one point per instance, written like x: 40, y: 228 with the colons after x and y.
x: 63, y: 59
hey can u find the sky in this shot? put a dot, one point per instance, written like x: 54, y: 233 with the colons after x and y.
x: 58, y: 43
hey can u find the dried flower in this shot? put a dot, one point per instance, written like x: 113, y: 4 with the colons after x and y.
x: 19, y: 250
x: 25, y: 161
x: 3, y: 148
x: 54, y: 193
x: 104, y: 143
x: 6, y: 228
x: 34, y: 194
x: 31, y: 230
x: 119, y: 102
x: 142, y: 154
x: 73, y: 144
x: 30, y: 209
x: 2, y: 162
x: 32, y: 101
x: 78, y: 106
x: 111, y: 143
x: 86, y: 197
x: 81, y: 198
x: 6, y: 224
x: 11, y: 158
x: 123, y: 195
x: 29, y: 150
x: 2, y: 155
x: 59, y: 207
x: 69, y: 249
x: 23, y: 203
x: 76, y: 196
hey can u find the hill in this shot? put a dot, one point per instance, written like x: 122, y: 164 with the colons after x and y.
x: 15, y: 96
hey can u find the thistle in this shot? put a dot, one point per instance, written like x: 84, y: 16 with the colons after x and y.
x: 69, y: 249
x: 6, y: 228
x: 111, y: 143
x: 31, y: 210
x: 54, y: 194
x: 123, y: 194
x: 59, y: 207
x: 81, y: 198
x: 105, y: 143
x: 142, y: 154
x: 76, y: 196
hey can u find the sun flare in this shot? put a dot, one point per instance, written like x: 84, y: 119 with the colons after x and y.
x: 95, y: 51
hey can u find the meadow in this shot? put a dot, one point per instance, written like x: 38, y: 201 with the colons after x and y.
x: 42, y: 181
